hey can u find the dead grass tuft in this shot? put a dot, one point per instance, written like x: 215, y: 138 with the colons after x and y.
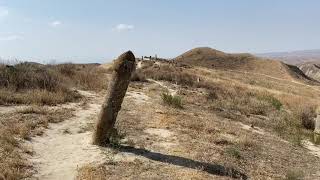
x: 90, y: 172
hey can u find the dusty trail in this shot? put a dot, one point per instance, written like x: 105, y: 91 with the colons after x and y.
x: 66, y: 146
x: 170, y: 90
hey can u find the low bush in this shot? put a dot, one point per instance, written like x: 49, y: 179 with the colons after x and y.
x: 306, y: 116
x: 174, y: 101
x: 294, y: 175
x: 234, y: 152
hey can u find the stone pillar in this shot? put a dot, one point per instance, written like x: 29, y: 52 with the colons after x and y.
x: 123, y: 67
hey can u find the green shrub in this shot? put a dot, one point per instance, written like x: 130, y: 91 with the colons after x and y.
x: 234, y: 152
x: 272, y: 100
x: 115, y: 138
x: 294, y: 175
x: 174, y: 101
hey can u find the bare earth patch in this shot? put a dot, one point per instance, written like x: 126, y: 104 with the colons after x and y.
x: 64, y: 146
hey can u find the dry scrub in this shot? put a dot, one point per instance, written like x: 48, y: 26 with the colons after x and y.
x: 84, y: 76
x: 29, y: 83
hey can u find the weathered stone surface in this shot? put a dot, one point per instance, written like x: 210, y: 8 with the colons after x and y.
x: 118, y: 85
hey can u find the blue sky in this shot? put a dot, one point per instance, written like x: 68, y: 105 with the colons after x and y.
x: 99, y: 30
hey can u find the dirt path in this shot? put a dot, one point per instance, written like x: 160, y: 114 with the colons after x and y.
x: 161, y: 83
x: 66, y: 146
x: 314, y: 149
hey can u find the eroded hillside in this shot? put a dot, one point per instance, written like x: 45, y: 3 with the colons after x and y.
x: 311, y: 69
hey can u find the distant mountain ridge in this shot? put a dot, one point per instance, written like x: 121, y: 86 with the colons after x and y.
x: 294, y: 57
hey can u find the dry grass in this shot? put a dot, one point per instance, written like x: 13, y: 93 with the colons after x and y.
x: 92, y: 172
x: 37, y: 96
x: 286, y: 114
x: 27, y: 83
x: 84, y: 76
x: 208, y: 130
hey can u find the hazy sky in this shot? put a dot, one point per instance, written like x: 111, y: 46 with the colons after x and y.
x: 97, y: 30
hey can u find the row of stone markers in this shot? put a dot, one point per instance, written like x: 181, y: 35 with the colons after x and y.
x: 149, y: 57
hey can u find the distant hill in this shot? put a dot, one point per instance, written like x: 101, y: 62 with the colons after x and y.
x: 311, y: 69
x: 294, y: 57
x: 211, y: 58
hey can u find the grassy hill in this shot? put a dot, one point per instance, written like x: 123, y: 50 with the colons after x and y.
x: 211, y: 58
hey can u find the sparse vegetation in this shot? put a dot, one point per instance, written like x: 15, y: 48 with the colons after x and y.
x: 272, y: 100
x: 172, y: 100
x: 233, y: 98
x: 234, y: 152
x: 115, y: 138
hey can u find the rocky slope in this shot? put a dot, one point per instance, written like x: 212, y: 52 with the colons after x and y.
x: 311, y: 69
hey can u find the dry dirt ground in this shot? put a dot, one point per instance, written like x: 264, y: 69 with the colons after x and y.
x: 66, y: 145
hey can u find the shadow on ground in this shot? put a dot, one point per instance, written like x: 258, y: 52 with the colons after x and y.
x: 214, y: 169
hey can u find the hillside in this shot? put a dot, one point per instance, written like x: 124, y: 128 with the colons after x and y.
x: 210, y: 58
x: 294, y: 57
x: 177, y: 121
x: 311, y: 69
